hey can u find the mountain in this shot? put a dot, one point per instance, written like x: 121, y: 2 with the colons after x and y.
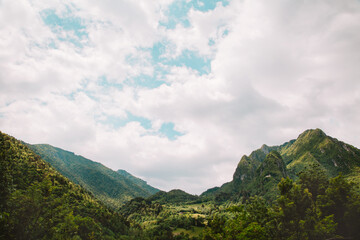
x: 37, y: 202
x: 141, y: 183
x: 110, y: 187
x: 260, y: 172
x: 314, y: 146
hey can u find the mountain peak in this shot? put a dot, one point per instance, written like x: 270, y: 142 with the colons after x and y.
x: 265, y: 148
x: 260, y: 172
x: 314, y: 146
x: 312, y: 133
x: 273, y: 164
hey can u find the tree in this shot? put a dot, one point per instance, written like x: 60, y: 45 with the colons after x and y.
x: 254, y: 220
x: 298, y: 218
x: 314, y: 178
x: 343, y: 202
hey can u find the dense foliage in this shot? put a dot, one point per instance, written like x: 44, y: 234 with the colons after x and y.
x: 173, y: 196
x: 112, y: 188
x: 36, y: 202
x: 288, y: 192
x: 315, y: 207
x: 167, y: 221
x: 260, y: 172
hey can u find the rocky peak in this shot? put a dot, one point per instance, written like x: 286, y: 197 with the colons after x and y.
x: 265, y: 149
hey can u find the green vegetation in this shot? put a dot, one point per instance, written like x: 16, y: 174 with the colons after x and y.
x: 173, y: 196
x: 307, y: 188
x: 314, y: 146
x: 315, y: 207
x: 112, y: 188
x: 141, y: 183
x: 312, y: 207
x: 184, y: 220
x: 260, y: 172
x: 36, y: 202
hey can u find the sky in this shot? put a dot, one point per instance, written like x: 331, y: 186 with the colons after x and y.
x: 177, y: 91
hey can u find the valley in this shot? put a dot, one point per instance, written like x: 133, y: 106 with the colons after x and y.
x: 307, y: 188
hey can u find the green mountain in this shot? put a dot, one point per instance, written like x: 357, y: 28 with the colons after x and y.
x: 314, y: 146
x: 141, y: 183
x: 261, y: 171
x: 37, y: 202
x: 112, y: 188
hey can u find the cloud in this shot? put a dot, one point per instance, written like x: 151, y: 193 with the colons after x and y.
x: 177, y: 105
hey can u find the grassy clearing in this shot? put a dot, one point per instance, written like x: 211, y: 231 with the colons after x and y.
x: 194, y: 232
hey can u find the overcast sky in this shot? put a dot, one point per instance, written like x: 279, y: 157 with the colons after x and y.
x: 175, y: 92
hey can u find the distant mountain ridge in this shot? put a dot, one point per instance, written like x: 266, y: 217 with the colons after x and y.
x: 113, y: 188
x: 259, y: 173
x: 256, y: 174
x: 138, y: 181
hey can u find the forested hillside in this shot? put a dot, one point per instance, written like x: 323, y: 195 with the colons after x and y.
x: 141, y: 183
x: 290, y: 192
x: 314, y: 206
x: 36, y: 202
x: 112, y: 188
x: 260, y: 172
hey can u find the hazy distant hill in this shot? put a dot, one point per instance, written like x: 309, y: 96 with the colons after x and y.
x: 111, y: 187
x: 260, y: 172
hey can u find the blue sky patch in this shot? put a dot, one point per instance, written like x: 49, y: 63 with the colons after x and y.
x: 225, y: 33
x: 143, y: 80
x: 104, y: 82
x: 72, y: 95
x: 52, y: 44
x: 145, y: 123
x: 192, y: 60
x: 114, y: 121
x: 188, y: 58
x: 207, y: 5
x: 211, y: 42
x: 117, y: 122
x: 158, y: 77
x: 167, y: 129
x: 157, y: 51
x: 67, y: 23
x: 177, y: 12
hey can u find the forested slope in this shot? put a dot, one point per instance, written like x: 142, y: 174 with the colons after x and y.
x: 111, y: 187
x: 261, y: 171
x: 36, y: 202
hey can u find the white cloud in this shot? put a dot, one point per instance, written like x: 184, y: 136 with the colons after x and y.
x: 283, y: 67
x: 205, y: 26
